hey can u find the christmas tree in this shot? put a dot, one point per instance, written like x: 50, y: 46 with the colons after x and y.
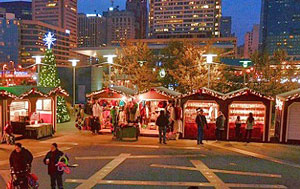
x: 49, y: 78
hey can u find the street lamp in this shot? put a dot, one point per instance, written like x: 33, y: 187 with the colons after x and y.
x: 38, y: 62
x: 209, y: 61
x: 74, y: 64
x: 245, y: 64
x: 141, y: 62
x: 110, y: 61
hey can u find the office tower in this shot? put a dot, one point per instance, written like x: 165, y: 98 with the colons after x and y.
x: 62, y: 14
x: 184, y: 18
x: 280, y: 26
x: 120, y: 26
x: 8, y: 37
x: 225, y: 26
x: 91, y: 30
x: 21, y: 9
x: 251, y: 41
x: 139, y: 8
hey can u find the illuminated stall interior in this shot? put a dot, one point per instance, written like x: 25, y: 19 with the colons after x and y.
x: 245, y: 101
x: 210, y: 102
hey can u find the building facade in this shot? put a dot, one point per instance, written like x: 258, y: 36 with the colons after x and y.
x: 9, y: 37
x: 184, y: 18
x: 91, y: 30
x: 225, y: 26
x: 31, y: 34
x: 251, y: 41
x: 21, y: 9
x: 140, y: 10
x: 280, y: 26
x: 120, y: 26
x: 62, y: 14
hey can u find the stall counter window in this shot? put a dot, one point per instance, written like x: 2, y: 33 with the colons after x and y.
x: 44, y: 110
x: 210, y: 109
x: 19, y: 112
x: 243, y: 109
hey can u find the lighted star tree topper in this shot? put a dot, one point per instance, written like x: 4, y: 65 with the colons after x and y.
x: 49, y: 39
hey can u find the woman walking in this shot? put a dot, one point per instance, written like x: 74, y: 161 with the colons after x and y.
x: 238, y: 124
x: 249, y: 127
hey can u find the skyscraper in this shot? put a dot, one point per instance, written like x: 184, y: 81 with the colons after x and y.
x: 61, y: 13
x: 21, y: 9
x: 251, y: 41
x: 225, y: 26
x: 91, y: 30
x: 184, y: 18
x: 120, y: 26
x: 280, y: 26
x: 139, y: 8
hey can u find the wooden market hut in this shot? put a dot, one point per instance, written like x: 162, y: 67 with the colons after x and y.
x: 241, y: 103
x: 210, y: 101
x: 112, y: 93
x: 287, y: 124
x: 19, y: 103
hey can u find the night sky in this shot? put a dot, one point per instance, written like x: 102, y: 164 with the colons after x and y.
x: 244, y: 13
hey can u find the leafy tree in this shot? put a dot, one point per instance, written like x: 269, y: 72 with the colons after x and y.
x: 49, y: 78
x: 137, y: 63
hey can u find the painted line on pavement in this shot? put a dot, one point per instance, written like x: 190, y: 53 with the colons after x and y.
x: 139, y: 157
x: 154, y: 146
x: 102, y: 173
x: 50, y: 142
x: 256, y: 155
x: 218, y: 171
x: 209, y: 175
x: 256, y: 186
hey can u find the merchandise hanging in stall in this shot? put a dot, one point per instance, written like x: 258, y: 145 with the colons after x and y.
x: 241, y: 103
x: 31, y: 111
x: 287, y: 119
x: 150, y: 104
x: 211, y: 102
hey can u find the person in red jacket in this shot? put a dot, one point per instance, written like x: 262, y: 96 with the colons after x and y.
x: 51, y: 159
x: 20, y: 162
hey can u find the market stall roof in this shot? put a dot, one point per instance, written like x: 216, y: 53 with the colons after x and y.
x: 245, y: 91
x: 20, y: 92
x: 158, y: 93
x: 291, y: 95
x: 205, y: 90
x: 113, y: 92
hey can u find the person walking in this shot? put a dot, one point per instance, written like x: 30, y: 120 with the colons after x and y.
x: 20, y: 163
x: 249, y: 127
x: 201, y: 122
x: 238, y: 124
x: 51, y: 159
x: 162, y: 123
x: 220, y: 124
x: 9, y: 136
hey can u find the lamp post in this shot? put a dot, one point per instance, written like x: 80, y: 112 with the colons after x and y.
x: 209, y: 61
x: 110, y: 61
x: 245, y: 65
x: 74, y: 64
x: 38, y: 62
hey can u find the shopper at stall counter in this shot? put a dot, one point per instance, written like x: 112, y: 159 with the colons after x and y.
x: 220, y: 124
x: 51, y: 159
x: 249, y: 127
x: 162, y: 122
x: 238, y: 125
x: 201, y: 122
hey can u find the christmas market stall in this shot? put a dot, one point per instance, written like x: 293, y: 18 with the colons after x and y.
x: 31, y: 111
x: 287, y: 124
x: 108, y: 102
x: 210, y: 102
x: 241, y: 103
x: 150, y: 104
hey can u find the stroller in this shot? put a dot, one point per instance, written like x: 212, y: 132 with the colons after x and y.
x: 16, y: 183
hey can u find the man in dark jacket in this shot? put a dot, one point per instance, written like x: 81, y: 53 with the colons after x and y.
x: 162, y: 123
x: 201, y: 122
x: 51, y: 159
x: 20, y: 162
